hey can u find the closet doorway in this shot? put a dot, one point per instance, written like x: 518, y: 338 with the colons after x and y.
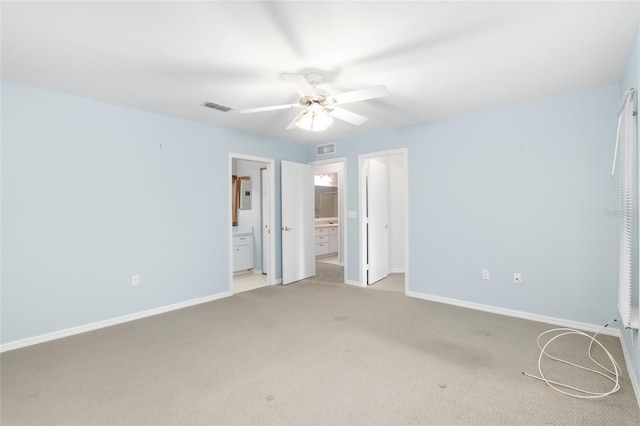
x: 252, y: 263
x: 384, y: 220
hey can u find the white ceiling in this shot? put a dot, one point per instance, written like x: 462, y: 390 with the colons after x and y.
x: 438, y: 59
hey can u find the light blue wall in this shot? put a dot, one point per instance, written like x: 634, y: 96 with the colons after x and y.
x: 89, y: 198
x: 631, y: 78
x: 519, y: 189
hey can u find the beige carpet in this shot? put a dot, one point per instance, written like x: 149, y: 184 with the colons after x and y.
x: 329, y: 273
x: 308, y: 353
x: 394, y: 282
x: 332, y: 273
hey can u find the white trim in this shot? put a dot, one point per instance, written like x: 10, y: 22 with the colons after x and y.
x: 362, y: 206
x: 610, y: 331
x: 397, y: 270
x: 352, y: 282
x: 407, y: 234
x: 29, y: 341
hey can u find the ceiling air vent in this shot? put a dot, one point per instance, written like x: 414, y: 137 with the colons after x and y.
x: 326, y: 149
x: 219, y: 107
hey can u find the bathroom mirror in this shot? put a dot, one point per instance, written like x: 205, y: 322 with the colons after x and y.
x: 326, y: 189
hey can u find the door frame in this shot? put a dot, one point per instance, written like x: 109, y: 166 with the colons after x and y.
x: 272, y: 246
x: 342, y: 209
x: 362, y: 190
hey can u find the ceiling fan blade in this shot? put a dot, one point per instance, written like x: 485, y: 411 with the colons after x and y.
x: 359, y: 95
x: 348, y: 116
x: 269, y: 108
x: 300, y: 84
x: 292, y: 125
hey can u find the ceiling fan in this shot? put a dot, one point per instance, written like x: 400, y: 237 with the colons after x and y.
x: 319, y: 107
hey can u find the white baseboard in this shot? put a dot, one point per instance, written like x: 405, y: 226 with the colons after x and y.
x: 397, y: 270
x: 16, y: 344
x: 594, y: 328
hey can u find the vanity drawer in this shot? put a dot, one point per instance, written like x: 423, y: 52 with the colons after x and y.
x: 322, y: 239
x: 333, y: 231
x: 243, y: 240
x: 322, y: 248
x: 322, y: 231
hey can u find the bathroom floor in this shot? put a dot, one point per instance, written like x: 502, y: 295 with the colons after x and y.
x: 246, y: 282
x: 331, y: 259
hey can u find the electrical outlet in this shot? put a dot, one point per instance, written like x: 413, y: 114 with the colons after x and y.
x: 135, y: 280
x: 485, y: 274
x: 517, y: 278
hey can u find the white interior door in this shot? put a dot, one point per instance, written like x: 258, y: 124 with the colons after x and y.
x: 377, y: 220
x: 266, y: 220
x: 298, y: 232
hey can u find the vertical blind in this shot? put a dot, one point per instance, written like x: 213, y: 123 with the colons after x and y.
x: 626, y: 141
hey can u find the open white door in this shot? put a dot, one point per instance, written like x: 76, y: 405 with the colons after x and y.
x: 266, y: 220
x: 377, y: 220
x: 298, y: 232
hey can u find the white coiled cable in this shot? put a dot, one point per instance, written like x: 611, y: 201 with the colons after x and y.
x: 613, y: 376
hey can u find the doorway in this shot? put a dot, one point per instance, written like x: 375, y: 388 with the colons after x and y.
x: 251, y: 222
x: 330, y: 218
x: 383, y: 222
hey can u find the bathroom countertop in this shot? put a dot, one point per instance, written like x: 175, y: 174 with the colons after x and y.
x: 238, y: 232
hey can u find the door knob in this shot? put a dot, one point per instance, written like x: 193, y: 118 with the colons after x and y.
x: 286, y: 228
x: 386, y: 226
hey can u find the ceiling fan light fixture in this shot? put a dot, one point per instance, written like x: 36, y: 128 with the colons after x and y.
x: 319, y: 106
x: 314, y: 121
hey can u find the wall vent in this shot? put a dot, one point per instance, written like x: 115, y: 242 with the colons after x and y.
x: 329, y: 148
x: 219, y: 107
